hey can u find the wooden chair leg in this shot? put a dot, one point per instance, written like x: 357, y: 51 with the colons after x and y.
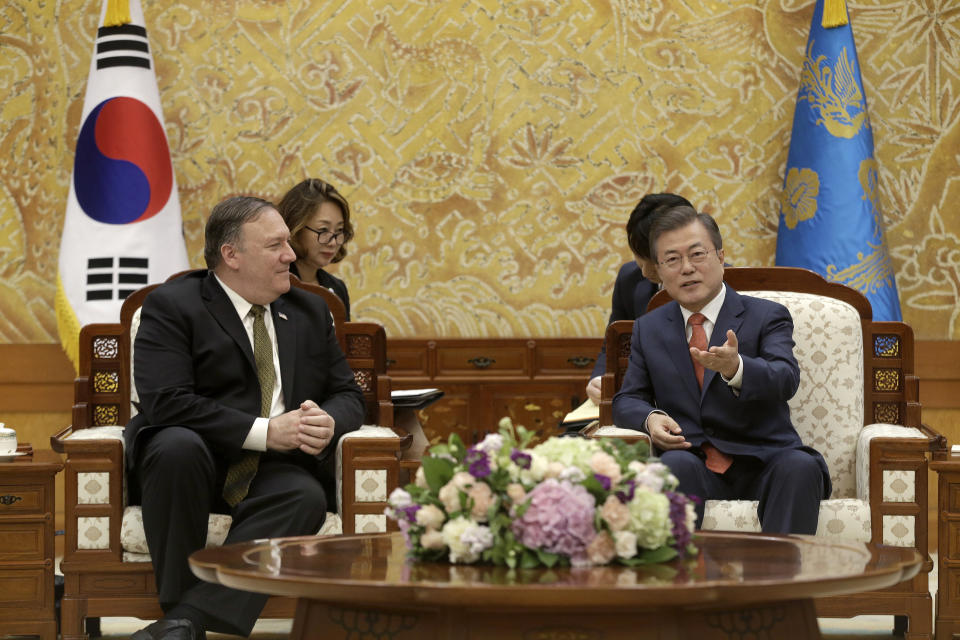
x: 72, y: 615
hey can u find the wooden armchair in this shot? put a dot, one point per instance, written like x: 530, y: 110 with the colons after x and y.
x: 106, y: 565
x: 858, y: 405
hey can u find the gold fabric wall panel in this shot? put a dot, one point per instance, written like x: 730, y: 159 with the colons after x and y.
x: 490, y: 149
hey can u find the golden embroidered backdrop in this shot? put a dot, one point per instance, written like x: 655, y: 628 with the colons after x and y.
x: 490, y: 149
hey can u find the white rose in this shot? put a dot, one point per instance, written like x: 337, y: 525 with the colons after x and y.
x: 430, y: 516
x: 452, y: 532
x: 537, y: 471
x: 572, y: 474
x: 650, y: 480
x: 491, y: 444
x: 516, y: 493
x: 432, y: 539
x: 636, y: 466
x: 626, y: 542
x: 420, y: 479
x: 399, y: 499
x: 462, y: 480
x: 449, y: 495
x: 554, y: 469
x: 606, y: 465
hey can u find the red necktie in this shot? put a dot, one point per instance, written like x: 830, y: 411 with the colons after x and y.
x: 698, y: 339
x: 717, y: 461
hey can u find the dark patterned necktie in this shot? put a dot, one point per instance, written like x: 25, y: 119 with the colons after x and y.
x: 241, y: 473
x: 717, y: 461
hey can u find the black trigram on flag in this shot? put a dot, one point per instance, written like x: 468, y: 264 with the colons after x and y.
x: 123, y: 46
x: 115, y: 278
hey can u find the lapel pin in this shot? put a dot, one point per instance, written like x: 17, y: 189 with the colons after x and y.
x: 282, y: 315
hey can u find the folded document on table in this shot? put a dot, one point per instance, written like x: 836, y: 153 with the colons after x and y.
x: 582, y: 415
x: 415, y: 398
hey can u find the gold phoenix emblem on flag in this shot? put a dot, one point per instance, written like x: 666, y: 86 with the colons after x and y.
x: 868, y: 175
x: 874, y: 270
x: 834, y: 93
x: 798, y: 201
x: 871, y: 272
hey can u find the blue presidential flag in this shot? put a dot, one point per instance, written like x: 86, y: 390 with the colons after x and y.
x: 122, y: 228
x: 830, y: 220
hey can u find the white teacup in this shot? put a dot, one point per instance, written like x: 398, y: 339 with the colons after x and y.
x: 8, y: 441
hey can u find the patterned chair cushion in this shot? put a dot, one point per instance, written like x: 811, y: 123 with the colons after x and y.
x: 93, y: 488
x: 134, y: 542
x: 846, y: 518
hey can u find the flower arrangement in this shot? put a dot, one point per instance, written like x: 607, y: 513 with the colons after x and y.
x: 565, y: 501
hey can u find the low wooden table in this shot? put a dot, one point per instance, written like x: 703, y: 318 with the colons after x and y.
x: 740, y: 585
x: 26, y: 543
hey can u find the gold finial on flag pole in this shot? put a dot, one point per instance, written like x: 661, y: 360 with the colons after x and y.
x: 118, y: 13
x: 834, y: 14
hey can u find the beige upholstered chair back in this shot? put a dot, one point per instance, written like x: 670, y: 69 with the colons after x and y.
x: 827, y: 409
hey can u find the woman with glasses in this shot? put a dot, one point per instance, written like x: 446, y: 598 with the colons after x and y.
x: 319, y: 221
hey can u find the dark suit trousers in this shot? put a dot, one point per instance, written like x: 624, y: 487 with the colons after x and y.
x: 181, y: 483
x: 789, y: 487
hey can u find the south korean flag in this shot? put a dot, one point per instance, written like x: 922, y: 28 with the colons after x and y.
x: 122, y: 228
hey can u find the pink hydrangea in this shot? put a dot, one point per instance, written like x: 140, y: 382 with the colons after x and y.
x: 559, y: 519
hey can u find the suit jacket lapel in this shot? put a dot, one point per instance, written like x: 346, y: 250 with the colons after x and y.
x: 225, y: 314
x: 730, y: 317
x: 676, y: 345
x: 286, y: 330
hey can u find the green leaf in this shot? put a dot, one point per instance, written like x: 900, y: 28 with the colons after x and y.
x: 529, y: 560
x: 437, y: 471
x: 440, y: 450
x: 548, y: 559
x: 654, y: 556
x: 457, y: 449
x: 591, y: 484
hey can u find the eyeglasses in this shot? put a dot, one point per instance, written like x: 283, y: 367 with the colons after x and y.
x: 675, y: 262
x: 324, y: 237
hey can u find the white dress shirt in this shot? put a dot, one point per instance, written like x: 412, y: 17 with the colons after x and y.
x: 257, y: 436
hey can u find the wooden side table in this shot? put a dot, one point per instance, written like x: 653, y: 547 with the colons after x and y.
x: 947, y: 610
x: 26, y: 544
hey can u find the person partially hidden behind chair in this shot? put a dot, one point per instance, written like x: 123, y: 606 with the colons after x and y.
x: 320, y: 228
x: 637, y: 281
x: 243, y: 394
x: 709, y: 378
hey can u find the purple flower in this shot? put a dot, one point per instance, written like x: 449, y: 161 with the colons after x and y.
x: 678, y: 520
x: 521, y: 459
x: 478, y: 464
x: 409, y: 512
x: 404, y: 527
x: 603, y: 480
x: 626, y: 494
x: 558, y: 520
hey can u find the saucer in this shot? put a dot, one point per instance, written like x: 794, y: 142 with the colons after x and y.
x: 10, y: 456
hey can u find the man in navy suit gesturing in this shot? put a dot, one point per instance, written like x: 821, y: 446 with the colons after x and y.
x: 709, y: 378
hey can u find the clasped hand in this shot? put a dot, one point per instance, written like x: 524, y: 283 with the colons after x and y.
x: 725, y: 359
x: 308, y: 428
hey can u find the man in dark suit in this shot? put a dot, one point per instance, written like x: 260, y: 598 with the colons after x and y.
x: 709, y: 378
x: 243, y: 394
x: 637, y: 280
